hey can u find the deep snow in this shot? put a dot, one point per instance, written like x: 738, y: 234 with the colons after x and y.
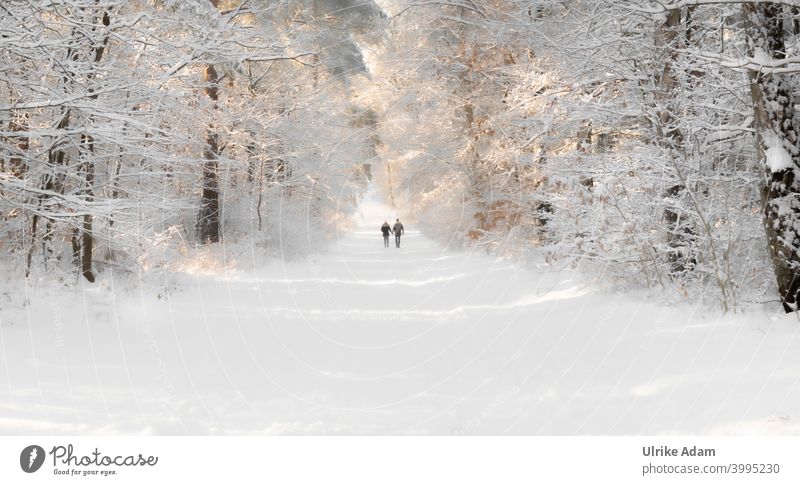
x: 367, y: 340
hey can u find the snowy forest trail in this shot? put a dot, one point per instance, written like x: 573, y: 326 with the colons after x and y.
x: 363, y: 339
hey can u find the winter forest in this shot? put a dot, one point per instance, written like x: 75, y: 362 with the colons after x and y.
x: 164, y: 164
x: 656, y: 141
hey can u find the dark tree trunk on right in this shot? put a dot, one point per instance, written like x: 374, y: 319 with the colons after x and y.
x: 776, y: 123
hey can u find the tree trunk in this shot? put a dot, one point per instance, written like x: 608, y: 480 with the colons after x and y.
x: 53, y: 180
x: 50, y: 182
x: 680, y: 255
x: 87, y: 153
x: 20, y: 123
x: 667, y: 81
x: 86, y: 238
x: 670, y: 137
x: 208, y: 221
x: 776, y: 124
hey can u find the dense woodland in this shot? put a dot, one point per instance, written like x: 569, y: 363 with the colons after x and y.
x: 651, y: 144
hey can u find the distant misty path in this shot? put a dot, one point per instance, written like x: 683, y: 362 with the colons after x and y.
x: 363, y: 339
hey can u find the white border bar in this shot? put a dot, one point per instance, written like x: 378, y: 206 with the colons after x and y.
x: 410, y: 460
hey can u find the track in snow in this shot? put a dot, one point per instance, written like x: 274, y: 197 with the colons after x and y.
x: 367, y: 340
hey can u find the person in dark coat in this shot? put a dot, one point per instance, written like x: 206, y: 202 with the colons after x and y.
x: 398, y: 231
x: 386, y: 229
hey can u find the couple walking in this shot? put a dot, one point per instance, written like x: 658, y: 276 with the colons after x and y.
x: 397, y: 230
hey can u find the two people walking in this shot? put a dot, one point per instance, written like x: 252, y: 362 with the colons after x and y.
x: 397, y: 230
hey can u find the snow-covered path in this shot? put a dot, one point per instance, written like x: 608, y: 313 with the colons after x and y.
x: 368, y: 340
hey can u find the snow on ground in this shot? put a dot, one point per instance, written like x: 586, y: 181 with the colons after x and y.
x: 367, y: 340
